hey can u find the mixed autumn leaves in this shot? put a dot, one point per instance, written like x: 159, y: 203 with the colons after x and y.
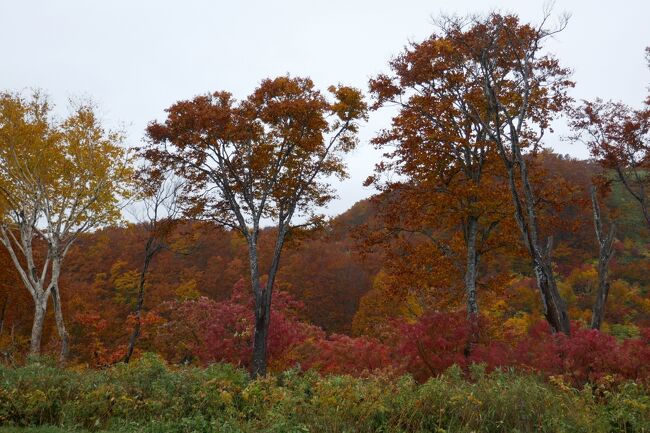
x: 481, y: 246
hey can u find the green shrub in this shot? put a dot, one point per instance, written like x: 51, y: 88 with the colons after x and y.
x: 149, y: 396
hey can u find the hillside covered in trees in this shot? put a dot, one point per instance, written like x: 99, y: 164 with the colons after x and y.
x: 133, y: 279
x: 338, y: 287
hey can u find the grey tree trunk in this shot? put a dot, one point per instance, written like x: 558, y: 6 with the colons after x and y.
x: 471, y: 269
x: 598, y: 312
x: 505, y: 129
x: 3, y: 314
x: 260, y: 338
x: 60, y: 324
x: 605, y: 252
x: 34, y: 281
x: 471, y: 272
x: 258, y: 367
x: 554, y: 308
x: 263, y: 298
x: 149, y: 253
x: 40, y: 307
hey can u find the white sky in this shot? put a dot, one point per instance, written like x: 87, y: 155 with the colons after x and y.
x: 137, y: 57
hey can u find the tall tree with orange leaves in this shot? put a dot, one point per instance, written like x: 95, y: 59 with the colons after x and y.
x: 260, y: 160
x: 451, y: 183
x: 507, y: 90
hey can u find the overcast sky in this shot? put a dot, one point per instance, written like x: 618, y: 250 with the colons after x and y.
x: 136, y: 57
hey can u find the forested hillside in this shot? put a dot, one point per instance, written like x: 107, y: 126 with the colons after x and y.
x: 334, y: 277
x: 197, y: 271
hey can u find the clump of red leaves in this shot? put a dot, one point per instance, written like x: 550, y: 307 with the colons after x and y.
x: 439, y: 340
x: 208, y: 331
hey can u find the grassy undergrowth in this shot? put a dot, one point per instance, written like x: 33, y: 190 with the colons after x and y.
x: 149, y: 396
x: 42, y: 429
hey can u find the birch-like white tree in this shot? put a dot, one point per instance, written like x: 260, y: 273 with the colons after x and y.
x: 58, y: 180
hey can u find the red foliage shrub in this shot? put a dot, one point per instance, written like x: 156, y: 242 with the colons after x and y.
x: 341, y: 354
x: 635, y: 362
x: 438, y: 340
x: 493, y: 355
x: 538, y: 350
x: 586, y: 355
x: 434, y: 343
x: 213, y: 331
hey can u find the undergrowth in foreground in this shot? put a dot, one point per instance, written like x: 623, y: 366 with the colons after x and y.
x: 149, y: 396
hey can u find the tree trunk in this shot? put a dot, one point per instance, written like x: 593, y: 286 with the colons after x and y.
x: 263, y: 305
x: 262, y: 322
x: 258, y: 365
x: 40, y: 307
x: 471, y: 271
x: 605, y: 251
x: 601, y: 297
x: 150, y: 251
x: 60, y: 324
x: 554, y: 307
x: 136, y: 329
x: 3, y: 314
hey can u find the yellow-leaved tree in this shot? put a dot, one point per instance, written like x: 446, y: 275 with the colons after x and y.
x: 58, y: 179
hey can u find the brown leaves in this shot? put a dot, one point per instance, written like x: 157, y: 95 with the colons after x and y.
x: 615, y: 133
x: 262, y: 157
